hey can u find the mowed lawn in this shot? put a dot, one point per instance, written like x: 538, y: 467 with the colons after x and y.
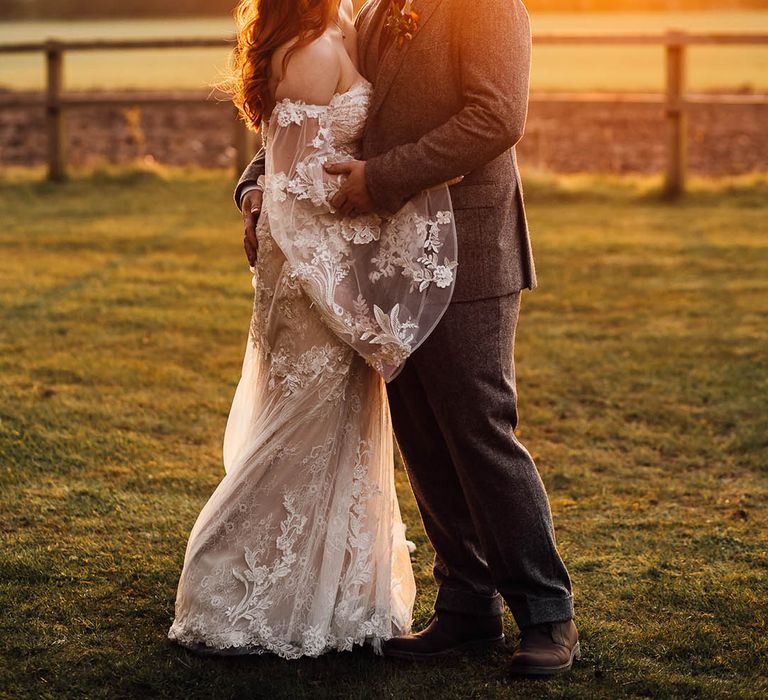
x: 643, y: 381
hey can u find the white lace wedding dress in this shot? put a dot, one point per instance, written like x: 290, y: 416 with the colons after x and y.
x: 301, y: 548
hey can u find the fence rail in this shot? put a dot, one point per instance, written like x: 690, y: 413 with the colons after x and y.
x: 674, y: 100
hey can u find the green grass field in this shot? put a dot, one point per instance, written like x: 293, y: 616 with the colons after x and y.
x: 554, y: 67
x: 643, y: 379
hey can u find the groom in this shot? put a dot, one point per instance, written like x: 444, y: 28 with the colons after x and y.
x: 450, y: 99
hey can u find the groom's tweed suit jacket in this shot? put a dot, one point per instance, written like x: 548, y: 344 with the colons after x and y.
x: 453, y: 101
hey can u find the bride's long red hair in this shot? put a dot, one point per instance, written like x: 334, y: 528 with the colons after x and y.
x: 263, y: 26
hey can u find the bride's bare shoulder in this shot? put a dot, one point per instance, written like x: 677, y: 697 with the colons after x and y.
x: 312, y: 73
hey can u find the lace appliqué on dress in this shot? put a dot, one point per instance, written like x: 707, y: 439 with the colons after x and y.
x: 267, y: 581
x: 301, y: 549
x: 379, y: 284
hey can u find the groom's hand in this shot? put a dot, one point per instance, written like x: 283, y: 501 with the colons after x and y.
x: 353, y: 199
x: 251, y: 208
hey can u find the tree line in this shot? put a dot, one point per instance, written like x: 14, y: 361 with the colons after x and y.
x: 82, y: 9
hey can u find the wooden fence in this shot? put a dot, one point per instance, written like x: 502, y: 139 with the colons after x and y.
x: 674, y: 101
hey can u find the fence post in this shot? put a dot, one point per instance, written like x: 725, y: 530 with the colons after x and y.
x: 54, y: 56
x: 243, y: 143
x: 676, y: 116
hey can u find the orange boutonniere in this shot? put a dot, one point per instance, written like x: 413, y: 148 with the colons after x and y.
x: 402, y: 21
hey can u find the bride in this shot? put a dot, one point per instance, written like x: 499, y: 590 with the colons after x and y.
x: 301, y: 548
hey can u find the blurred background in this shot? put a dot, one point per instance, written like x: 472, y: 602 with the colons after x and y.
x: 610, y: 93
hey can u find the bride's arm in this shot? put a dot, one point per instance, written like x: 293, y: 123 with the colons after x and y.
x: 491, y: 121
x: 311, y: 76
x: 380, y: 286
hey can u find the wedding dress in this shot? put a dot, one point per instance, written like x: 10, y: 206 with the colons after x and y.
x: 301, y: 548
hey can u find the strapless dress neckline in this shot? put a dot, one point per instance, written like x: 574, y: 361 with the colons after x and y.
x: 360, y: 86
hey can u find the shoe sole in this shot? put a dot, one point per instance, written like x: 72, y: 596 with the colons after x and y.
x: 549, y: 670
x: 477, y: 647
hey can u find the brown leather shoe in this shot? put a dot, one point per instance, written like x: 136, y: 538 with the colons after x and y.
x: 546, y: 649
x: 447, y: 634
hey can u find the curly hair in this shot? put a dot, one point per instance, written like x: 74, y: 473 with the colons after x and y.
x: 263, y: 26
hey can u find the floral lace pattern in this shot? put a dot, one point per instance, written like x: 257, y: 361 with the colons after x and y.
x: 301, y: 548
x: 313, y: 365
x: 380, y: 284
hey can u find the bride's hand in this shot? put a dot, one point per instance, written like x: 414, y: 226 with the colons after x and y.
x: 251, y: 208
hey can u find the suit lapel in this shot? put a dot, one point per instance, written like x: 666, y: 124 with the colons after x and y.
x: 368, y: 37
x: 390, y: 62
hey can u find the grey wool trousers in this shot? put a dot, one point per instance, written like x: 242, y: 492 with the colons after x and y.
x: 484, y: 506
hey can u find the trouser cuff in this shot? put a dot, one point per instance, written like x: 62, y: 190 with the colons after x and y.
x: 536, y: 611
x: 468, y: 602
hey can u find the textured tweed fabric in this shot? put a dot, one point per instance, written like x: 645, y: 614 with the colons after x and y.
x: 454, y: 411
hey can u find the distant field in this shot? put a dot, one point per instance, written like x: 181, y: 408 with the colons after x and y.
x: 566, y: 67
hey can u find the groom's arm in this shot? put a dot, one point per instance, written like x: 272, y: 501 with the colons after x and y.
x: 249, y: 179
x: 495, y: 50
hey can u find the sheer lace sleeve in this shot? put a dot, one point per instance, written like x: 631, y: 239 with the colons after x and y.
x: 381, y: 285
